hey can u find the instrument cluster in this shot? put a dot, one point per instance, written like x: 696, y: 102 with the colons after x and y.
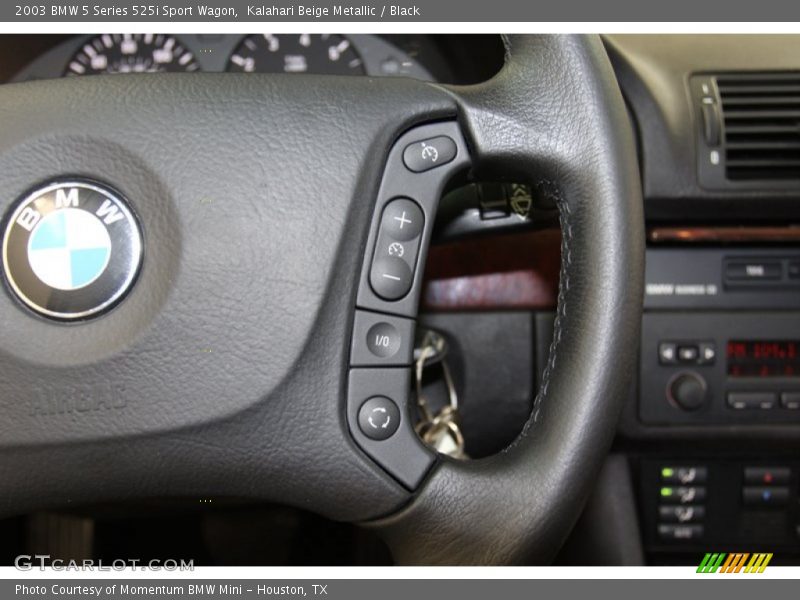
x: 322, y: 54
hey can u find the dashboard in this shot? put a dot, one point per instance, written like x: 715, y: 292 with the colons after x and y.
x: 447, y: 59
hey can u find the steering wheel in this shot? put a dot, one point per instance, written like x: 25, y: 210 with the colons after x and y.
x: 233, y: 362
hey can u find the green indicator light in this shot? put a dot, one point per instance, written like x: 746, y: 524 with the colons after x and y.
x: 667, y: 472
x: 666, y: 492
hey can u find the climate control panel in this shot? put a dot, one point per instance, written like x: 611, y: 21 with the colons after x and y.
x: 703, y: 504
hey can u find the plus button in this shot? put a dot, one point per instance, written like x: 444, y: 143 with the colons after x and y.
x: 402, y: 219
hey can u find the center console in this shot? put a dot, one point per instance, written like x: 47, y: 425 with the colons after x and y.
x: 718, y: 401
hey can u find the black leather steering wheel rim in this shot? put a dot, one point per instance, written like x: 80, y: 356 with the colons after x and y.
x: 575, y: 135
x: 228, y: 368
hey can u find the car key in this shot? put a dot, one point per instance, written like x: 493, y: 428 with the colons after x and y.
x: 440, y: 431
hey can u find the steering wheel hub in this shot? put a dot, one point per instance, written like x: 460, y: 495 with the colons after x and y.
x: 72, y: 249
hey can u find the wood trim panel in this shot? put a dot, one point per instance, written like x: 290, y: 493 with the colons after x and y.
x: 504, y: 272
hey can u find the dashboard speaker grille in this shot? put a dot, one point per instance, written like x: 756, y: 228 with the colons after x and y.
x: 761, y: 119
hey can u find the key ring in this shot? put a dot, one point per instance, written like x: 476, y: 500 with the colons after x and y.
x: 432, y: 349
x: 441, y: 431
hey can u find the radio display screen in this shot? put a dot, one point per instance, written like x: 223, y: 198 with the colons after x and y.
x: 756, y: 358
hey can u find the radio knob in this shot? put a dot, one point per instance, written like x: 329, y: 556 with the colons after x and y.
x: 688, y: 391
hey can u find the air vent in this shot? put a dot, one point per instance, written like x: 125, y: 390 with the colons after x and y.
x: 761, y: 117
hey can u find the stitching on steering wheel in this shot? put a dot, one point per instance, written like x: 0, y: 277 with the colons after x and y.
x: 552, y: 191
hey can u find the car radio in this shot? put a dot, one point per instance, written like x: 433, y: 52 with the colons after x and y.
x: 719, y: 339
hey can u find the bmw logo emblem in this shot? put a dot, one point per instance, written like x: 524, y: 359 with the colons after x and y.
x: 72, y: 249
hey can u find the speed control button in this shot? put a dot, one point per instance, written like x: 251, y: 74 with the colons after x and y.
x: 402, y: 219
x: 378, y: 418
x: 428, y: 154
x: 381, y: 340
x: 391, y: 278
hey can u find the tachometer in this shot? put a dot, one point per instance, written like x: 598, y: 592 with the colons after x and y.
x: 131, y: 53
x: 325, y: 54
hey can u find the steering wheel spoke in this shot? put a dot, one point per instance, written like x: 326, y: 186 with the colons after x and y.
x: 223, y: 372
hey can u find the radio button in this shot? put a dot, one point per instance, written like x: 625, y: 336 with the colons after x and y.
x: 667, y: 353
x: 687, y: 391
x: 687, y: 354
x: 752, y: 400
x: 756, y: 270
x: 790, y: 400
x: 707, y: 353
